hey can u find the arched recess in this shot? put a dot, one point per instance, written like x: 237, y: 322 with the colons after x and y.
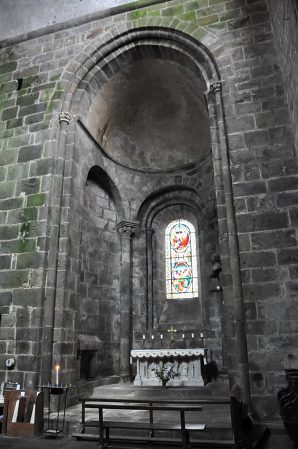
x: 97, y: 319
x: 82, y: 80
x: 82, y: 85
x: 156, y: 212
x: 104, y: 56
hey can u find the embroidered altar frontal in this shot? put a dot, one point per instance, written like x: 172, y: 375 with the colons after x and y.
x: 185, y: 363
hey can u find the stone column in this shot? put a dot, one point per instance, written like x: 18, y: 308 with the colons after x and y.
x: 240, y: 321
x: 149, y: 283
x: 126, y: 230
x: 47, y: 361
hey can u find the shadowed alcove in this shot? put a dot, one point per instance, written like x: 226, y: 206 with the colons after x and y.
x: 152, y: 116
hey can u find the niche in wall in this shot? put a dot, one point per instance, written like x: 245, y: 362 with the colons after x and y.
x: 99, y: 274
x: 143, y: 117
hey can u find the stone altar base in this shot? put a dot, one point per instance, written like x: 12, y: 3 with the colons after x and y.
x: 185, y: 364
x: 217, y: 389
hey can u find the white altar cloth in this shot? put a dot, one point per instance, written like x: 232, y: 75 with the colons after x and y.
x: 185, y: 362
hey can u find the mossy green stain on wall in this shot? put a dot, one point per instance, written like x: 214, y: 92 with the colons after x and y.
x: 46, y: 94
x: 54, y: 98
x: 13, y: 278
x: 5, y: 77
x: 18, y: 246
x: 208, y: 20
x: 24, y: 91
x: 172, y: 11
x: 136, y: 14
x: 143, y: 13
x: 8, y: 67
x: 25, y: 228
x: 23, y: 246
x: 189, y: 16
x: 196, y: 4
x: 215, y: 2
x: 197, y: 12
x: 8, y: 87
x: 32, y: 260
x: 52, y: 105
x: 28, y: 214
x: 30, y: 80
x: 37, y: 199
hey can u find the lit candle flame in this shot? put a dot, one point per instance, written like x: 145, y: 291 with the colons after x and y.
x: 57, y: 369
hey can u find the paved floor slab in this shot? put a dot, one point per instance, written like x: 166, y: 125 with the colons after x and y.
x: 274, y: 442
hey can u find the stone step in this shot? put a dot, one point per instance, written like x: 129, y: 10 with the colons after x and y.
x: 214, y: 389
x: 222, y: 444
x: 213, y: 430
x: 180, y: 393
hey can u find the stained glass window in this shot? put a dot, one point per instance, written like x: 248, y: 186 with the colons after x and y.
x: 181, y: 260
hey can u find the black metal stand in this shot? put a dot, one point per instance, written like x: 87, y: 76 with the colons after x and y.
x: 59, y: 394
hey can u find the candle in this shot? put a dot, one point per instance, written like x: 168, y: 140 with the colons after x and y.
x: 201, y: 335
x: 144, y: 337
x: 57, y: 368
x: 152, y: 337
x: 192, y: 335
x: 161, y: 336
x: 183, y: 336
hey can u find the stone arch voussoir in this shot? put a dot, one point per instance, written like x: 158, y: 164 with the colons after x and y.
x: 103, y: 51
x: 164, y: 198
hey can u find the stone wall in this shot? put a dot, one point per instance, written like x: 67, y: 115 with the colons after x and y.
x: 98, y: 311
x: 39, y: 178
x: 284, y: 17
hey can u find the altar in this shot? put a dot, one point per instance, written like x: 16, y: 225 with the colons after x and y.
x: 185, y: 363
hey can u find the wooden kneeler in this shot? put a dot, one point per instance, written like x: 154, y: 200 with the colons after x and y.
x: 23, y: 413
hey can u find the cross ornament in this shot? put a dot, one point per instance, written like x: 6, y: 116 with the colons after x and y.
x: 172, y: 331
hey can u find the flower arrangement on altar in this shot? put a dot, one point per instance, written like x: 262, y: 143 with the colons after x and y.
x: 165, y: 373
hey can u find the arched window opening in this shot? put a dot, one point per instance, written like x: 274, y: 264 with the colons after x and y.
x: 181, y: 260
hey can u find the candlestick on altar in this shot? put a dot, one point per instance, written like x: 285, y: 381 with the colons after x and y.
x: 183, y: 336
x: 144, y: 337
x: 152, y: 337
x: 161, y: 336
x: 57, y: 369
x: 202, y: 338
x: 192, y: 335
x: 172, y: 331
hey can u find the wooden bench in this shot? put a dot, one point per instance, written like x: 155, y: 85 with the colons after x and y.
x: 105, y: 426
x: 181, y: 406
x: 245, y: 437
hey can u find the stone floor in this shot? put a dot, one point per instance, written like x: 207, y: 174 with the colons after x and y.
x: 274, y: 442
x: 277, y: 440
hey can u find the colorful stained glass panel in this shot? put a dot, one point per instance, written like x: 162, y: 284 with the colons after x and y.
x: 181, y: 260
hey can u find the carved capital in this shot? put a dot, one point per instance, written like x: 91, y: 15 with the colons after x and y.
x: 216, y: 86
x: 64, y: 117
x: 126, y: 229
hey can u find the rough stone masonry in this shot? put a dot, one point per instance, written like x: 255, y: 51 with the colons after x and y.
x: 62, y: 196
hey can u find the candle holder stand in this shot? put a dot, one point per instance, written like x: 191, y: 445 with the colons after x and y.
x: 55, y: 397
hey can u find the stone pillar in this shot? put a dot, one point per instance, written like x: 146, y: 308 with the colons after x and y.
x: 48, y: 359
x: 126, y: 230
x: 149, y: 283
x: 240, y: 321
